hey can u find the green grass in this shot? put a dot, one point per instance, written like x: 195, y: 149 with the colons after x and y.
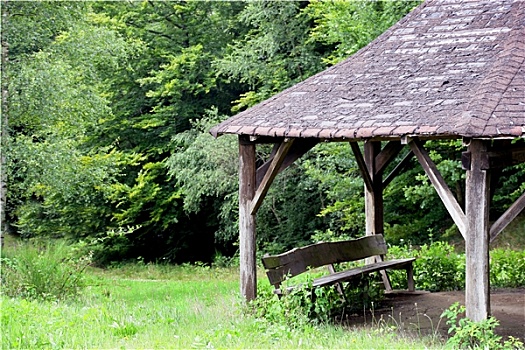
x: 150, y: 306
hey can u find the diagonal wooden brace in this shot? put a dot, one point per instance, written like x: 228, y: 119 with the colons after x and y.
x: 440, y: 185
x: 270, y: 174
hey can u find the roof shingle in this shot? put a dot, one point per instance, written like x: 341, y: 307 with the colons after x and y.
x: 451, y: 68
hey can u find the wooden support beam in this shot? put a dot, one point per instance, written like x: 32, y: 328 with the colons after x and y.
x: 270, y: 175
x: 507, y: 217
x: 298, y: 149
x: 496, y: 159
x: 398, y: 169
x: 362, y: 165
x: 387, y: 155
x: 440, y: 185
x: 374, y: 198
x: 247, y: 247
x: 477, y: 196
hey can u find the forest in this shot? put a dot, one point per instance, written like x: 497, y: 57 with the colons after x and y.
x: 106, y: 108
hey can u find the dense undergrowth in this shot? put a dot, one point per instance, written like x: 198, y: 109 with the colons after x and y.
x: 51, y: 297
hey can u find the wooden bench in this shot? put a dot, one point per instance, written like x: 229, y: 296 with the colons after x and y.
x: 296, y: 261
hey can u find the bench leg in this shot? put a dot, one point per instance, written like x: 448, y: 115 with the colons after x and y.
x: 338, y: 285
x: 410, y: 278
x: 386, y: 280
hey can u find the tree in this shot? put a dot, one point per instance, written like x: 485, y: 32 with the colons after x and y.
x: 274, y: 54
x: 347, y: 26
x: 56, y: 98
x: 4, y: 120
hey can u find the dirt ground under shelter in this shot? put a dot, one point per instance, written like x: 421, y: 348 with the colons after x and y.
x: 407, y: 312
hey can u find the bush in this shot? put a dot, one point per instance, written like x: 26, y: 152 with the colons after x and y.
x: 437, y: 268
x: 44, y: 271
x: 305, y: 304
x: 467, y: 334
x: 507, y: 268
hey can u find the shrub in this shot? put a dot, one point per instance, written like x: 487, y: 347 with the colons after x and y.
x: 305, y: 304
x: 437, y: 268
x: 467, y: 334
x: 507, y: 268
x: 44, y: 271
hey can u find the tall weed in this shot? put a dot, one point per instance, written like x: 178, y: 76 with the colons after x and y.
x: 42, y: 270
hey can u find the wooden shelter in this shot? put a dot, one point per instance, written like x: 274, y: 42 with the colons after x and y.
x: 450, y: 69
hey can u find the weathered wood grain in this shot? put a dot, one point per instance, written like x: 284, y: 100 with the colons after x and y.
x: 387, y: 155
x: 247, y: 260
x: 299, y: 260
x: 477, y: 195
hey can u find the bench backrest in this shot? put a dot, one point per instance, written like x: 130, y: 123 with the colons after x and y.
x: 299, y: 260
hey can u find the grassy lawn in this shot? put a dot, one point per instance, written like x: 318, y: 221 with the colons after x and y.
x: 147, y: 306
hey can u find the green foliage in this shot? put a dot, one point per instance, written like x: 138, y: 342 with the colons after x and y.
x: 348, y: 26
x: 304, y: 304
x: 437, y: 267
x: 507, y: 268
x: 468, y: 334
x: 110, y: 104
x: 440, y: 268
x: 44, y: 20
x: 43, y: 271
x: 206, y: 169
x: 190, y: 307
x: 274, y: 53
x: 334, y: 171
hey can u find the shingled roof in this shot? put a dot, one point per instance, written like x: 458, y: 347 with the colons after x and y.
x: 448, y: 69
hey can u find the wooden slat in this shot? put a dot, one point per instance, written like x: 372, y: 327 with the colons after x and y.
x: 398, y: 169
x: 387, y: 155
x: 440, y: 185
x: 506, y: 218
x: 247, y: 248
x: 299, y: 260
x: 270, y: 175
x: 347, y: 275
x: 361, y: 164
x: 358, y: 272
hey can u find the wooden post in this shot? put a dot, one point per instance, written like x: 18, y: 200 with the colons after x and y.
x: 373, y: 197
x: 374, y: 200
x: 247, y: 171
x: 477, y: 289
